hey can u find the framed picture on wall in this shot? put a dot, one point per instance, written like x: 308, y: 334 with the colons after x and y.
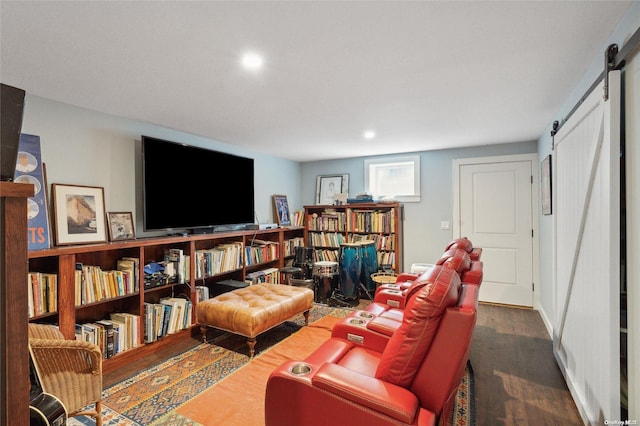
x: 546, y: 185
x: 327, y: 186
x: 281, y: 209
x: 79, y: 214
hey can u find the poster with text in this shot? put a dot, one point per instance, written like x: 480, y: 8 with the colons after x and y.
x: 29, y: 170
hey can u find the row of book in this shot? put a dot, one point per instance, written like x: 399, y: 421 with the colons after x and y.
x: 328, y: 255
x: 291, y: 244
x: 387, y: 258
x: 329, y: 220
x: 380, y: 242
x: 176, y: 265
x: 117, y: 334
x: 229, y: 256
x: 42, y: 293
x: 371, y: 221
x: 269, y: 275
x: 169, y: 316
x: 261, y: 251
x: 325, y: 239
x: 93, y: 284
x: 297, y: 218
x: 222, y: 258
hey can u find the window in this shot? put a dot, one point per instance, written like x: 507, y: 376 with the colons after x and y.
x: 394, y: 177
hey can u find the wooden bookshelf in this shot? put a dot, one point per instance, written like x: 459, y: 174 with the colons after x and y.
x: 62, y: 261
x: 15, y: 385
x: 327, y: 227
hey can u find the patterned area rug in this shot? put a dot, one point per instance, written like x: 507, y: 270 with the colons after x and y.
x: 154, y: 396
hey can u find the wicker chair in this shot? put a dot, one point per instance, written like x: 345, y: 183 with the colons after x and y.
x: 69, y: 369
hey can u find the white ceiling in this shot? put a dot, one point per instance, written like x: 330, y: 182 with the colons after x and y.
x: 423, y: 74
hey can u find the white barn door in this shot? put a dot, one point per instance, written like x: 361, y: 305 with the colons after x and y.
x: 586, y: 210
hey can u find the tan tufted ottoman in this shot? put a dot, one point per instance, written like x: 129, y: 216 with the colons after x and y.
x: 253, y: 310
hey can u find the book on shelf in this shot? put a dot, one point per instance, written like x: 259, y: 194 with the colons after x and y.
x: 88, y: 333
x: 124, y: 325
x: 178, y: 314
x: 149, y: 334
x: 42, y: 294
x: 109, y: 343
x: 221, y: 258
x: 116, y: 337
x: 269, y: 275
x: 297, y: 218
x: 78, y: 331
x: 260, y: 251
x: 130, y: 266
x: 166, y: 314
x: 174, y: 263
x: 129, y: 324
x: 202, y: 293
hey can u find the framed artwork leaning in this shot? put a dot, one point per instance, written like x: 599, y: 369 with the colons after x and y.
x: 328, y: 186
x: 79, y: 214
x: 121, y: 226
x: 281, y: 210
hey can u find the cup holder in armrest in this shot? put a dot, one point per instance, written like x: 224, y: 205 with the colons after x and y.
x: 356, y: 321
x: 365, y: 314
x: 392, y: 291
x: 300, y: 369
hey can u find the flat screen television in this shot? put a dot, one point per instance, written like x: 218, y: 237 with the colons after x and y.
x: 194, y: 189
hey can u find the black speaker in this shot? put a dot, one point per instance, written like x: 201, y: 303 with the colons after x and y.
x: 11, y: 111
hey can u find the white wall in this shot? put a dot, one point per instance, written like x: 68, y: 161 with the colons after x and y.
x: 83, y: 147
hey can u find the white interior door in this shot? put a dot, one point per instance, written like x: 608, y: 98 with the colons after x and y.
x: 495, y: 200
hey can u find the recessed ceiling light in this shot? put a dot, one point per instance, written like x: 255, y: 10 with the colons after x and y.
x: 252, y: 61
x: 369, y: 134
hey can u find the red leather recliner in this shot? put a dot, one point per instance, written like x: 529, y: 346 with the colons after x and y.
x: 393, y: 296
x: 462, y: 243
x: 412, y: 381
x: 465, y: 244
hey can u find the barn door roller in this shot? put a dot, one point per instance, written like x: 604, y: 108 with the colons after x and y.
x: 609, y: 64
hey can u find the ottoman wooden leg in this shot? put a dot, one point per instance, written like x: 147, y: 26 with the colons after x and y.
x: 251, y: 342
x: 306, y: 317
x: 203, y: 330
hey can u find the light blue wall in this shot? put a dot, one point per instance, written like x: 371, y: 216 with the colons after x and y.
x: 83, y: 147
x: 423, y: 238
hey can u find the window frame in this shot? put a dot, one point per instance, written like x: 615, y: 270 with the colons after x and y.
x: 371, y: 164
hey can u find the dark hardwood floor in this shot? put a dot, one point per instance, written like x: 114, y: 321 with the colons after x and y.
x: 517, y: 380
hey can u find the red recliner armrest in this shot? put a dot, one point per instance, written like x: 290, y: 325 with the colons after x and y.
x: 474, y: 275
x: 384, y: 397
x: 476, y: 253
x: 391, y: 297
x: 362, y: 335
x: 407, y: 276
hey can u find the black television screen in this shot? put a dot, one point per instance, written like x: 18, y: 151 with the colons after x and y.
x: 186, y: 187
